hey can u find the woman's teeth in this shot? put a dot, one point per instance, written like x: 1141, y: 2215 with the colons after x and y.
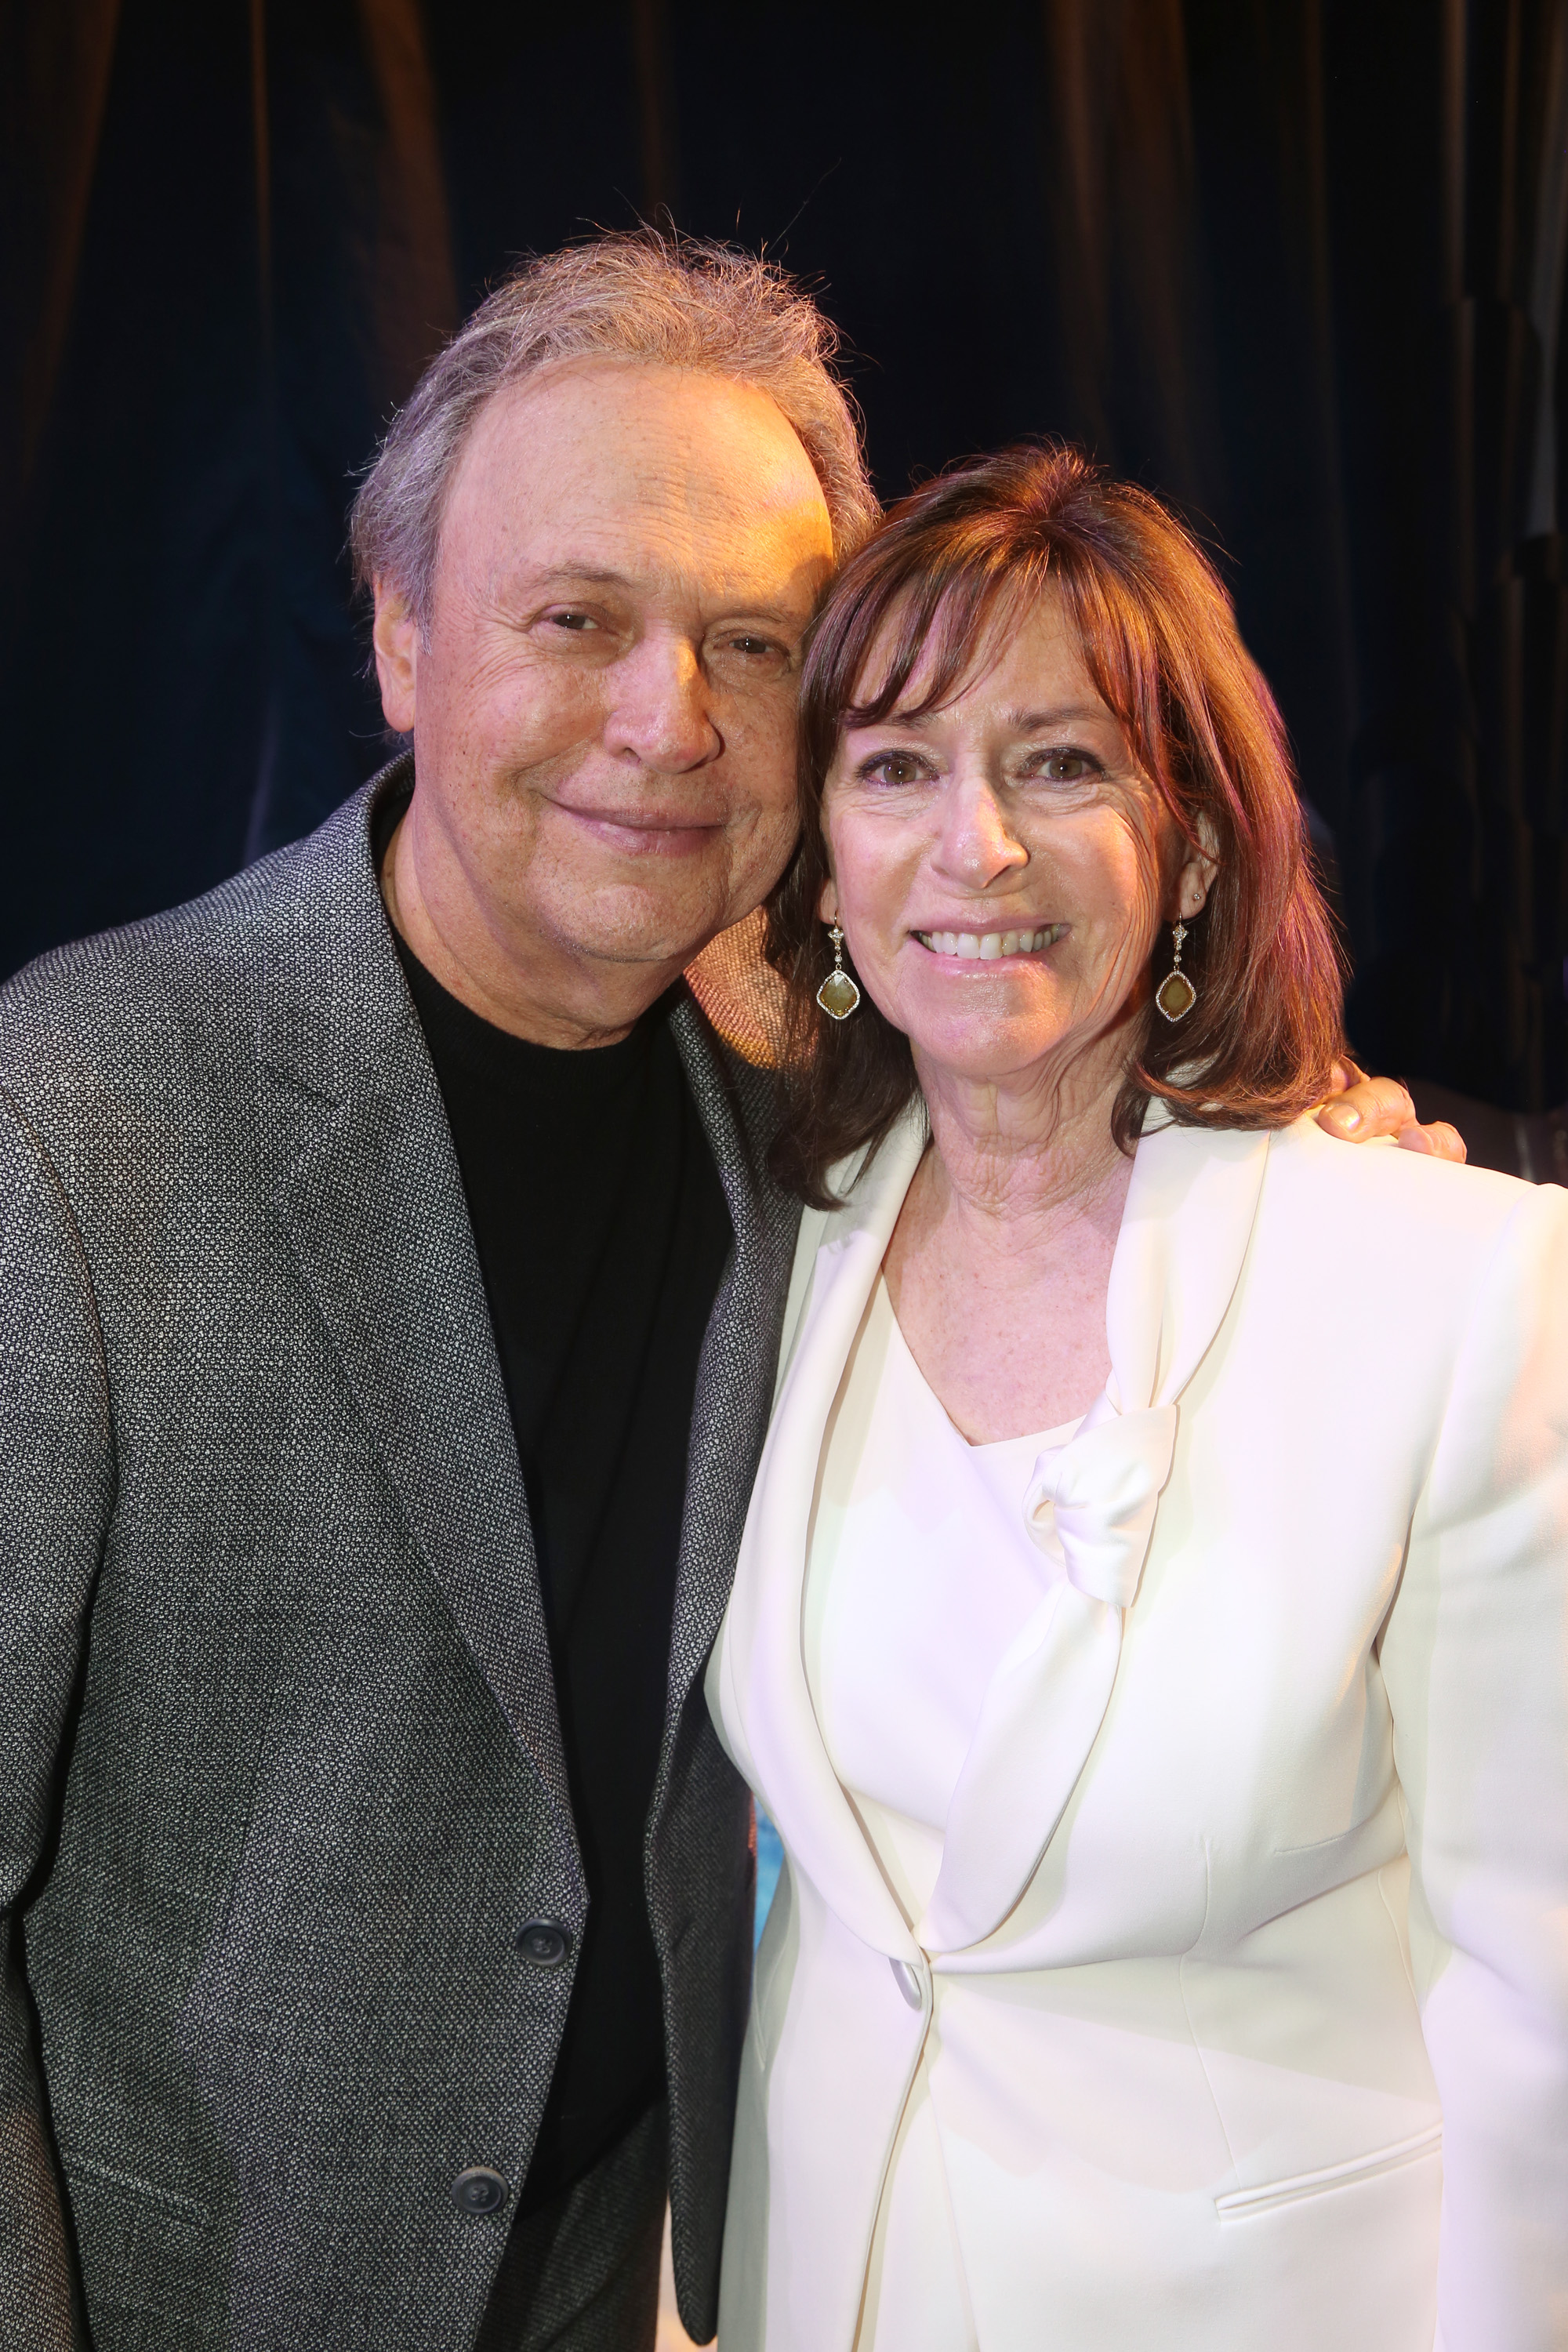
x: 989, y: 945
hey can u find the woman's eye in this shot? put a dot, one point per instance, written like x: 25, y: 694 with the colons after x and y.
x: 894, y: 768
x: 1066, y: 767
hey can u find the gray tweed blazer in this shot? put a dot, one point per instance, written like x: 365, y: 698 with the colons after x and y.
x: 280, y: 1773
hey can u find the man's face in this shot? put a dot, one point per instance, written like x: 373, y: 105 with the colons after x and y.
x: 604, y: 715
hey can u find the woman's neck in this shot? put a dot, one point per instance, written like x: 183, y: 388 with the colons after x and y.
x: 1000, y: 1262
x: 1028, y: 1154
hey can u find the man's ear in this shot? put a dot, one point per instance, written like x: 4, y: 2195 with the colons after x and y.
x: 396, y: 641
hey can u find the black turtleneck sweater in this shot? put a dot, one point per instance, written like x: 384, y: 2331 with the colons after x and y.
x: 602, y: 1234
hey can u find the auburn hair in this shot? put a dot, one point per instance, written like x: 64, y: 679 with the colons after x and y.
x: 949, y: 566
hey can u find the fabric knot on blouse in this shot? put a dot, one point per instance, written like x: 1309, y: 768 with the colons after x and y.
x: 1090, y: 1504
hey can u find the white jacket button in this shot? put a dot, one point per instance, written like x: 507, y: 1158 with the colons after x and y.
x: 908, y: 1982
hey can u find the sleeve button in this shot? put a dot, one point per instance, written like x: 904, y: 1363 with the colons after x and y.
x: 479, y: 2190
x: 544, y: 1942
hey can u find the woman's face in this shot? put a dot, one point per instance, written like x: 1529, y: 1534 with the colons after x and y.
x: 996, y: 865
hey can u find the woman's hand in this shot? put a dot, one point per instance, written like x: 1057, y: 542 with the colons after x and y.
x: 1363, y: 1109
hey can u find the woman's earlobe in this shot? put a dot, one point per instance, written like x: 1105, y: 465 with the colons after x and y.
x: 1194, y: 882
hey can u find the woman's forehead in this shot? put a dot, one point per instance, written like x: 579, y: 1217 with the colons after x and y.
x: 1023, y: 651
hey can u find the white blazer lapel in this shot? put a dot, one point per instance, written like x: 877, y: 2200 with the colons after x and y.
x: 764, y: 1695
x: 1179, y: 1255
x: 1091, y: 1508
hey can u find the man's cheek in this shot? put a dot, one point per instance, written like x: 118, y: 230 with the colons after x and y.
x: 529, y: 713
x: 761, y: 745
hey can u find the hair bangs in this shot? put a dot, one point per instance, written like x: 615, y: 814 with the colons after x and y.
x: 943, y: 635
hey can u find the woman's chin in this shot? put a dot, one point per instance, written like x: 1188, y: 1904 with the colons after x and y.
x: 983, y: 1055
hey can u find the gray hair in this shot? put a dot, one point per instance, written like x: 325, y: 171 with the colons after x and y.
x: 642, y: 294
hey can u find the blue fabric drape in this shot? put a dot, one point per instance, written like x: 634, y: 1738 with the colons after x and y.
x: 1296, y: 263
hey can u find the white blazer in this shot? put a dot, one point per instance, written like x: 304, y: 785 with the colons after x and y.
x: 1253, y: 1912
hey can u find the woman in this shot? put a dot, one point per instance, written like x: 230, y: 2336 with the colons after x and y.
x: 1162, y: 1705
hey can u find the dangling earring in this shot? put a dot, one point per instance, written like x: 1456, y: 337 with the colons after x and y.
x: 1176, y: 995
x: 839, y: 996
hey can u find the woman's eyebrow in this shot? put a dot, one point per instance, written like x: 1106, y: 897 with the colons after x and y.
x: 915, y: 721
x: 1025, y: 722
x: 1022, y: 722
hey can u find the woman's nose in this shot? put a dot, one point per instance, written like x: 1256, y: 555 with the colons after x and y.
x: 659, y: 712
x: 976, y: 842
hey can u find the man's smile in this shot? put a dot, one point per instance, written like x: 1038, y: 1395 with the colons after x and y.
x: 651, y: 834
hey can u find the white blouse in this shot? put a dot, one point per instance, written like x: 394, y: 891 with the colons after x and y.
x: 922, y: 1574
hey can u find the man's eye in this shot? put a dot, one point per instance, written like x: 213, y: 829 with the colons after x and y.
x: 758, y: 655
x: 576, y: 622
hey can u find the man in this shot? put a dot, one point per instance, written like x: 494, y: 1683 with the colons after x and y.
x: 391, y: 1290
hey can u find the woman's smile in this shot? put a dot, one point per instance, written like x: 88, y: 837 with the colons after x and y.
x: 989, y: 947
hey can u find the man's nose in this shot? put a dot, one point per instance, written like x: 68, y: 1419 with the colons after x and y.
x: 976, y: 842
x: 661, y: 715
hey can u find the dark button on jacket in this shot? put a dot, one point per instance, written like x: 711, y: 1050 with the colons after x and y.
x: 479, y: 2190
x: 544, y: 1942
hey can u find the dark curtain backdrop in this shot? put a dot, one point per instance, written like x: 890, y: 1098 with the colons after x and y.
x: 1298, y: 264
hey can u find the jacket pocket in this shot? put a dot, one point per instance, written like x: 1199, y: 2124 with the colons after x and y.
x: 1243, y: 2204
x: 77, y: 2167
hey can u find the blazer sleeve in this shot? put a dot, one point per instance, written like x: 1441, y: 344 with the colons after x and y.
x: 56, y: 1483
x: 1475, y: 1659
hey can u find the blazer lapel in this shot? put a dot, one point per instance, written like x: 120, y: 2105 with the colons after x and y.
x: 763, y: 1667
x: 368, y: 1187
x: 1179, y: 1255
x: 734, y: 1376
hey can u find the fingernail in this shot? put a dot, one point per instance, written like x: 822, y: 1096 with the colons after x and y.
x: 1348, y: 1117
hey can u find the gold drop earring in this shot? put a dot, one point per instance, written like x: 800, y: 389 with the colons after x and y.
x: 839, y: 996
x: 1176, y: 995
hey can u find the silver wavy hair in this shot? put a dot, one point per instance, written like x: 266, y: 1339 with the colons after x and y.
x: 639, y: 295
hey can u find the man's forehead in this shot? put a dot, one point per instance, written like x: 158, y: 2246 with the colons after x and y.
x: 635, y: 469
x: 651, y: 426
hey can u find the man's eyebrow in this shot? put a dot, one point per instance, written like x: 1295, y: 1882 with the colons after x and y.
x: 587, y: 575
x: 563, y: 575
